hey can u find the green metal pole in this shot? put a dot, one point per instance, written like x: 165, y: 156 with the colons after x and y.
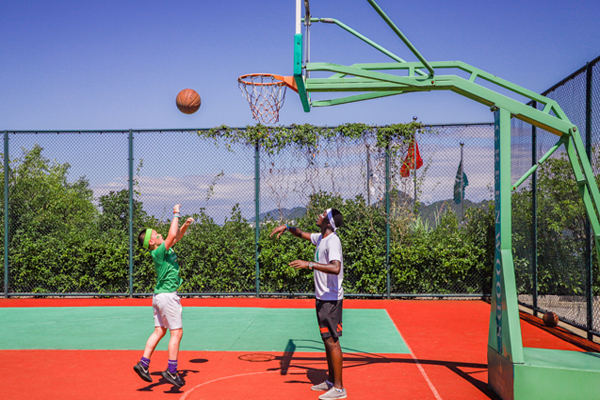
x: 257, y: 214
x: 368, y: 176
x: 588, y: 229
x: 534, y: 222
x: 534, y: 168
x: 415, y: 209
x: 401, y: 35
x: 387, y: 218
x: 6, y: 237
x: 462, y: 183
x: 130, y: 213
x: 364, y: 39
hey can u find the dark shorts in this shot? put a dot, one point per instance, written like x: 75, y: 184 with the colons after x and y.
x: 329, y: 316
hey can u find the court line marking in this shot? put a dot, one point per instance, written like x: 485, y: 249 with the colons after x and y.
x: 224, y: 377
x: 416, y: 360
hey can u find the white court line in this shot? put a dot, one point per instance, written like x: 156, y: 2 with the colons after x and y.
x: 220, y: 379
x: 435, y: 392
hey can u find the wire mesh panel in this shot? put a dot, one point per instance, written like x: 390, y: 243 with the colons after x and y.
x: 66, y: 232
x: 522, y: 206
x: 298, y: 184
x: 214, y: 182
x: 561, y: 218
x: 450, y: 230
x: 594, y: 127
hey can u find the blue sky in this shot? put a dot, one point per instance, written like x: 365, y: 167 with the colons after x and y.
x: 119, y: 64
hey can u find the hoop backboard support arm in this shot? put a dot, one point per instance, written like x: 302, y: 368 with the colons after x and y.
x: 514, y: 372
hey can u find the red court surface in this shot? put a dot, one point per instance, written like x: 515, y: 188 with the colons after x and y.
x: 448, y: 340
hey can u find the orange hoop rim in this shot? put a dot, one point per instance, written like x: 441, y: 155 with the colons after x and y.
x: 280, y: 80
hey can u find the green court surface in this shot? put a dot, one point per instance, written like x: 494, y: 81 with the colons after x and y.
x: 204, y: 328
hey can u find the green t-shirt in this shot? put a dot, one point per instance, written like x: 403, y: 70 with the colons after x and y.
x: 167, y: 270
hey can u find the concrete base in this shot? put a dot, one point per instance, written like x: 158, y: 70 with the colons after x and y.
x: 546, y: 374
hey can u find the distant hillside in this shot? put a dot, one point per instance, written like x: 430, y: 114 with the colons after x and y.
x: 429, y: 213
x: 284, y: 213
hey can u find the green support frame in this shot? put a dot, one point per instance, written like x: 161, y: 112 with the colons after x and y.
x: 514, y: 372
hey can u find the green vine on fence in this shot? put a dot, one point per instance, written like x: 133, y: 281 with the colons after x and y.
x: 307, y: 137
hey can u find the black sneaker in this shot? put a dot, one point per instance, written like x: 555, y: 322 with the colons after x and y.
x: 142, y: 372
x: 173, y: 379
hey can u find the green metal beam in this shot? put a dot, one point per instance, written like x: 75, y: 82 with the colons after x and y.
x: 364, y: 39
x: 558, y: 124
x: 586, y: 188
x: 534, y: 168
x: 353, y: 99
x: 298, y: 77
x: 401, y: 36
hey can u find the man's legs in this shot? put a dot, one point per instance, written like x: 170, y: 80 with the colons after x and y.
x: 333, y: 350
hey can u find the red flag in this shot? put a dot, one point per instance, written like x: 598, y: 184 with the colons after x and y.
x: 409, y: 161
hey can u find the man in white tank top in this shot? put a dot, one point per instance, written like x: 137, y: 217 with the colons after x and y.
x: 328, y: 267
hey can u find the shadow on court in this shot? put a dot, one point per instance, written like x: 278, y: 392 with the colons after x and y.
x: 162, y: 381
x: 357, y: 359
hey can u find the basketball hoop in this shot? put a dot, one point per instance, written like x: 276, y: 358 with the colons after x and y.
x: 265, y: 94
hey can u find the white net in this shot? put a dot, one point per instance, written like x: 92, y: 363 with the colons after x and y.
x: 265, y: 94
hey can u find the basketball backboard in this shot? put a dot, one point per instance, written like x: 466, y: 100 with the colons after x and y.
x: 302, y: 49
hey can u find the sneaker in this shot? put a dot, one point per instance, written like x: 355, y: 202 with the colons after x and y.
x: 142, y: 372
x: 322, y: 387
x: 174, y: 379
x: 333, y: 393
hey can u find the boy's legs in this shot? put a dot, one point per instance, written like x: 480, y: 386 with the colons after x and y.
x: 171, y: 313
x: 142, y: 367
x: 171, y: 374
x: 157, y: 335
x: 176, y: 335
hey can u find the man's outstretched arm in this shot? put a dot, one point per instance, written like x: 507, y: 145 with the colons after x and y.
x: 294, y: 231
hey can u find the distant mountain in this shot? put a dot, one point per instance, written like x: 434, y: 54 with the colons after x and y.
x: 284, y: 213
x: 429, y: 213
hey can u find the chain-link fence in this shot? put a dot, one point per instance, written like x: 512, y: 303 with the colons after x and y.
x: 69, y: 204
x: 556, y: 269
x: 76, y: 202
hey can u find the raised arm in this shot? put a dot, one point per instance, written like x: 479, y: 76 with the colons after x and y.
x: 294, y: 231
x: 172, y: 236
x: 182, y: 230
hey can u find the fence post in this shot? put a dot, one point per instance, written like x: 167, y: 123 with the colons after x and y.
x: 534, y: 232
x: 387, y: 218
x: 588, y: 230
x: 130, y: 213
x: 257, y: 213
x: 6, y: 225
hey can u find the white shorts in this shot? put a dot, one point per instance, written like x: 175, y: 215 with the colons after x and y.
x: 167, y: 310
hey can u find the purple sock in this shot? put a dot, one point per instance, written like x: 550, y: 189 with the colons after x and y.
x: 173, y: 366
x: 145, y: 362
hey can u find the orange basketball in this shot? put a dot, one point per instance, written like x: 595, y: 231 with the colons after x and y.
x: 550, y: 319
x: 188, y: 101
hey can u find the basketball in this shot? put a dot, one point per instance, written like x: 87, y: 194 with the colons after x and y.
x: 550, y: 319
x: 188, y: 101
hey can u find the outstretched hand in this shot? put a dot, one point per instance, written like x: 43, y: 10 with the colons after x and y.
x: 176, y: 208
x: 299, y: 264
x: 279, y: 230
x: 188, y: 221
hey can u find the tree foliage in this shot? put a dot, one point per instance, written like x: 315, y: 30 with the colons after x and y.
x: 64, y: 240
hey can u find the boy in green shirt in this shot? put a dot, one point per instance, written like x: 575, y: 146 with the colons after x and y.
x: 165, y: 302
